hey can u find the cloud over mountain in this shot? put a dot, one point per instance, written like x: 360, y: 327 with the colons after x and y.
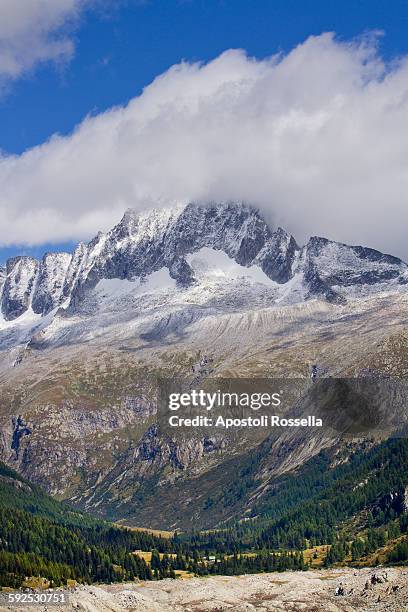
x: 31, y: 31
x: 316, y: 138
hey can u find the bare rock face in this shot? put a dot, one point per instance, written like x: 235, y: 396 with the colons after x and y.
x: 18, y: 286
x: 405, y: 499
x: 20, y: 429
x: 29, y: 283
x: 330, y: 268
x: 50, y: 283
x: 2, y: 277
x: 278, y: 255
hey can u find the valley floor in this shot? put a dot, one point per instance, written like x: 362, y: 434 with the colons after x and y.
x: 311, y: 591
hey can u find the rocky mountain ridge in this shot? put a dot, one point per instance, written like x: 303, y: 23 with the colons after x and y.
x: 144, y: 243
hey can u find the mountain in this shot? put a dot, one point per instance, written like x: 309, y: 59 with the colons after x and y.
x: 142, y: 244
x: 85, y: 337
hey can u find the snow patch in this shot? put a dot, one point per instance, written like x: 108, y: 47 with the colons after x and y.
x: 117, y: 287
x: 210, y: 264
x: 24, y: 322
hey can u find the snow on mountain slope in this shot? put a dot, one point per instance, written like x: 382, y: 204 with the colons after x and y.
x: 18, y: 286
x: 74, y: 269
x: 169, y: 267
x: 210, y: 264
x: 156, y: 307
x: 116, y: 288
x: 3, y: 274
x: 50, y: 283
x: 332, y: 267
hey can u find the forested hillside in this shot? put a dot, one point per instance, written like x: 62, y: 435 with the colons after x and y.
x: 354, y: 506
x: 331, y: 497
x: 42, y: 537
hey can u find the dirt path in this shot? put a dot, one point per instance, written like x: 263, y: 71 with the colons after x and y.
x: 311, y: 591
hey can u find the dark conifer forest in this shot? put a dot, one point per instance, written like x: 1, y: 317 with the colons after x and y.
x: 354, y: 508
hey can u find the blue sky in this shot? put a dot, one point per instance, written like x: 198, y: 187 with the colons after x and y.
x: 121, y: 51
x: 118, y: 51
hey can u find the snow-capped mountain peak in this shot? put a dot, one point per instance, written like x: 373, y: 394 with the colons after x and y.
x: 142, y: 244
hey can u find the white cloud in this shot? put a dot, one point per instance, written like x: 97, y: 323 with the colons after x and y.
x: 32, y: 31
x: 316, y: 138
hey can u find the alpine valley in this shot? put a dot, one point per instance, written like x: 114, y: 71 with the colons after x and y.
x: 84, y: 338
